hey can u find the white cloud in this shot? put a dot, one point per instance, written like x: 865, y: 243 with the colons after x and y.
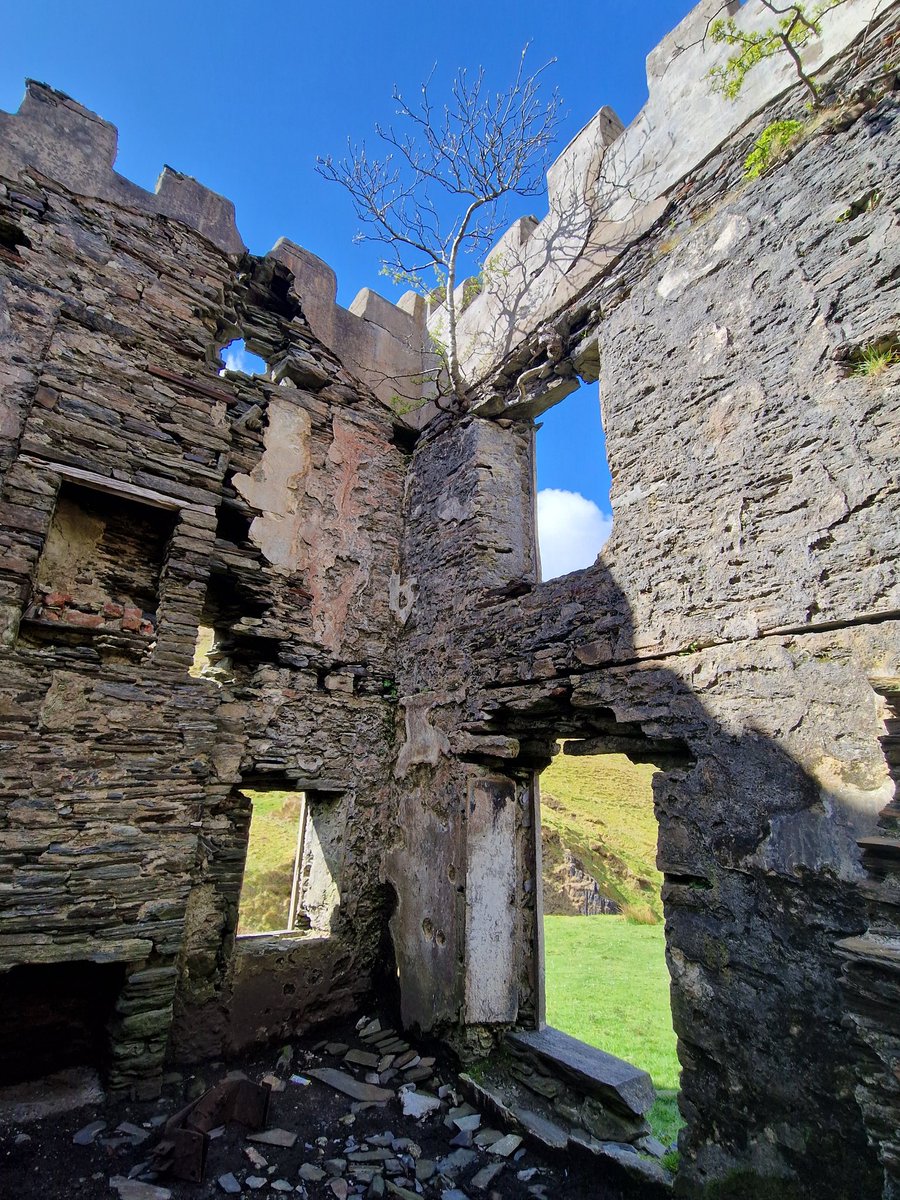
x: 238, y: 358
x: 571, y: 531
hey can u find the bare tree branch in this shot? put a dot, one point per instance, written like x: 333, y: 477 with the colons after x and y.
x: 435, y: 194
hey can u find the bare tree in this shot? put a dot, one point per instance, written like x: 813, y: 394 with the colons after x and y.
x: 434, y: 195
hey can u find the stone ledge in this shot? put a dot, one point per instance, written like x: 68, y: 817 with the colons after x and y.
x: 596, y: 1072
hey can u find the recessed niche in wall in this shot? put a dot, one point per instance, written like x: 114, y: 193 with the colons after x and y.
x: 101, y: 563
x: 292, y: 869
x: 54, y: 1016
x: 574, y: 514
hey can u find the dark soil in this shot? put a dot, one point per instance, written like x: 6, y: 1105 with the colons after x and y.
x: 46, y: 1165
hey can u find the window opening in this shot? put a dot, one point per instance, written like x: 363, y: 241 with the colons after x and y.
x: 237, y: 357
x: 574, y: 513
x: 291, y: 872
x: 606, y: 977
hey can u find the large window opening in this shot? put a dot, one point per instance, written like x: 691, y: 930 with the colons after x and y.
x: 574, y: 514
x: 606, y: 978
x: 292, y: 870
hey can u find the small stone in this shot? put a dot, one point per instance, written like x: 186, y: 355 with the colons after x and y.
x: 527, y: 1175
x: 418, y: 1074
x: 340, y: 1187
x: 229, y: 1184
x: 458, y: 1161
x: 488, y: 1137
x: 273, y: 1137
x: 134, y: 1132
x: 418, y: 1104
x: 273, y: 1083
x: 376, y: 1188
x: 335, y: 1166
x: 89, y: 1134
x: 256, y: 1159
x: 311, y: 1173
x: 453, y: 1194
x: 463, y: 1138
x: 485, y: 1177
x: 380, y: 1139
x: 425, y: 1168
x: 133, y: 1189
x: 470, y: 1121
x: 281, y: 1185
x: 336, y: 1048
x: 361, y: 1058
x: 370, y: 1028
x: 506, y: 1145
x: 255, y: 1182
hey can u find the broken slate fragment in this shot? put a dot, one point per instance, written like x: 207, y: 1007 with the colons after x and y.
x: 311, y: 1173
x: 133, y: 1189
x: 506, y: 1145
x: 88, y: 1135
x: 336, y: 1048
x: 229, y: 1184
x: 485, y: 1177
x: 342, y: 1082
x: 255, y: 1182
x: 340, y: 1188
x: 471, y: 1122
x: 418, y: 1104
x: 273, y: 1137
x: 135, y: 1132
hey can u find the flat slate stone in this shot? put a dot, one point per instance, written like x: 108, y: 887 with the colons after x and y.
x: 342, y: 1082
x: 274, y: 1137
x: 599, y: 1073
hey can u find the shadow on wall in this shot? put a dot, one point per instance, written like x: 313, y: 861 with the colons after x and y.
x: 760, y: 862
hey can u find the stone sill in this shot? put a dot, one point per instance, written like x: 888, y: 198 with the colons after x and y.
x: 262, y: 943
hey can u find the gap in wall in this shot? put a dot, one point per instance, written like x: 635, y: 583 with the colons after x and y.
x: 606, y: 978
x: 574, y: 514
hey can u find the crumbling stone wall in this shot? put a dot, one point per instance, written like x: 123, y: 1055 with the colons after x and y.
x: 268, y: 508
x: 379, y: 636
x: 735, y: 631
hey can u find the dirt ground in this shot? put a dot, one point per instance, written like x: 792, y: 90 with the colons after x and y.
x: 38, y: 1160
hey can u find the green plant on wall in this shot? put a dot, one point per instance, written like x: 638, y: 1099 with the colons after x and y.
x: 770, y: 145
x: 797, y: 24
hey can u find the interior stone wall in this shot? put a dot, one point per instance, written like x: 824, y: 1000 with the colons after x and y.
x: 735, y: 631
x: 381, y: 640
x: 123, y: 832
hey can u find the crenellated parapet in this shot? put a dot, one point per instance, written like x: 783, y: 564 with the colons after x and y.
x: 379, y: 342
x: 65, y: 141
x: 611, y: 184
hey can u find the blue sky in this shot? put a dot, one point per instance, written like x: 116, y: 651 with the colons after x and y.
x: 244, y: 96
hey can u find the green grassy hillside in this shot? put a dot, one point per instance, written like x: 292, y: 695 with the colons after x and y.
x: 600, y: 808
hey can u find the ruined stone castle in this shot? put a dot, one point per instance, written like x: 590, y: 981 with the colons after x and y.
x: 364, y: 590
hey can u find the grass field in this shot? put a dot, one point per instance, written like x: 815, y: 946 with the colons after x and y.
x: 608, y: 985
x: 269, y: 871
x: 600, y: 807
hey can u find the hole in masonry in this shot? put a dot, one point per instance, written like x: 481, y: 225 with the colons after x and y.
x: 236, y: 357
x: 574, y: 514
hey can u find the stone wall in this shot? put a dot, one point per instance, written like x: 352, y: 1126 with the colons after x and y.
x: 323, y: 606
x: 145, y: 494
x: 735, y: 632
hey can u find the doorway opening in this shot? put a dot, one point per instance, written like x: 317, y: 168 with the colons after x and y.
x: 606, y: 977
x: 574, y: 513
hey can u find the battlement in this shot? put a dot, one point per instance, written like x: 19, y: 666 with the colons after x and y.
x: 610, y: 184
x: 52, y: 134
